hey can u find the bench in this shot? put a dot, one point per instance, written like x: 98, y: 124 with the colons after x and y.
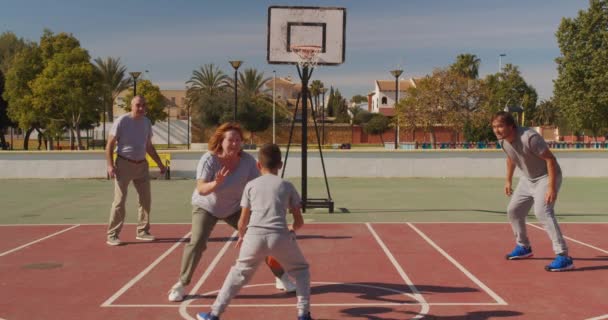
x: 164, y: 157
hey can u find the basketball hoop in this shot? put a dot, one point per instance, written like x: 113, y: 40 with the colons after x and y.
x: 308, y: 56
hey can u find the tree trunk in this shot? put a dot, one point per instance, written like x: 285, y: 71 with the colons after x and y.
x: 71, y: 138
x: 3, y: 144
x: 50, y: 143
x: 433, y: 139
x: 78, y: 138
x: 26, y: 138
x: 381, y: 139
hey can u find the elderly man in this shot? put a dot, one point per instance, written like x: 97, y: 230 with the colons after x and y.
x: 132, y: 136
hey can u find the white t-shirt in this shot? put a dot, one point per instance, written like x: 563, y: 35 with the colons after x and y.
x: 269, y: 197
x: 132, y: 136
x: 225, y: 200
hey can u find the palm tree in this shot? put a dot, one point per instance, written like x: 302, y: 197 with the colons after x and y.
x: 208, y: 78
x: 545, y: 114
x: 467, y: 65
x: 315, y: 90
x: 252, y: 83
x: 112, y: 76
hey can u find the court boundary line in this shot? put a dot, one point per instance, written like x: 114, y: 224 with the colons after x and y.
x: 312, y: 222
x: 139, y: 276
x: 466, y: 272
x: 38, y: 240
x: 573, y: 240
x: 184, y: 305
x: 605, y: 316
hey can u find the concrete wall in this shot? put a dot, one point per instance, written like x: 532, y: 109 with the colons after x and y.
x: 342, y: 163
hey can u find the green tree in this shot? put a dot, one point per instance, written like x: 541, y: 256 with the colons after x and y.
x: 66, y: 91
x: 358, y: 99
x: 360, y: 116
x: 154, y: 100
x: 208, y: 96
x: 255, y: 114
x: 580, y: 88
x: 377, y: 125
x: 316, y: 88
x: 251, y: 83
x: 546, y: 114
x: 26, y: 66
x: 10, y: 45
x: 340, y: 108
x: 112, y: 78
x: 466, y: 65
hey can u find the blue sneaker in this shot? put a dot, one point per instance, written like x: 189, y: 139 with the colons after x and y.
x: 561, y: 263
x: 305, y: 317
x: 206, y: 316
x: 520, y: 252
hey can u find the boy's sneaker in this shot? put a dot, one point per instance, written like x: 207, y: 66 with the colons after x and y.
x: 206, y: 316
x: 145, y: 236
x: 520, y: 252
x: 113, y: 241
x: 561, y: 263
x: 284, y: 283
x: 305, y: 317
x: 176, y: 294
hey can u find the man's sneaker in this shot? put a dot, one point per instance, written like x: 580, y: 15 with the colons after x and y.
x: 145, y: 237
x: 520, y: 252
x: 305, y: 317
x: 206, y: 316
x: 285, y: 284
x: 561, y: 263
x: 176, y: 293
x: 113, y: 241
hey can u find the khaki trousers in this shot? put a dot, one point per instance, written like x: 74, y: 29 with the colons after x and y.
x: 203, y: 223
x: 125, y: 173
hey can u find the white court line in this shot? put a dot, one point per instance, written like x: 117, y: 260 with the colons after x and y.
x: 599, y: 318
x: 132, y: 282
x: 495, y: 296
x: 293, y: 305
x: 310, y: 223
x: 212, y: 265
x: 571, y: 239
x: 36, y: 241
x: 416, y: 293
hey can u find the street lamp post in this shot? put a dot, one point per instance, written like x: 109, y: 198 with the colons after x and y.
x: 169, y: 126
x: 135, y: 75
x: 500, y: 61
x: 188, y: 114
x: 323, y: 90
x: 235, y: 64
x: 274, y: 80
x: 396, y: 73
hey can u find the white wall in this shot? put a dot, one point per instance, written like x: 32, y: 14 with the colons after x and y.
x: 343, y: 163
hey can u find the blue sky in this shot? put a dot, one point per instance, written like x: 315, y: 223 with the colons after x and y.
x: 172, y: 38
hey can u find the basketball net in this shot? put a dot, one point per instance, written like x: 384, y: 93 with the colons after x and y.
x: 308, y: 56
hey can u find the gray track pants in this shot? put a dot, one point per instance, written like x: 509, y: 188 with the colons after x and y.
x: 528, y: 193
x: 254, y: 249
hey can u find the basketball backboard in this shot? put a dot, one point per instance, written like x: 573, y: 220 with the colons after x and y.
x: 292, y: 27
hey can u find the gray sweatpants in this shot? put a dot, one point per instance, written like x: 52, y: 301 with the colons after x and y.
x: 532, y: 192
x: 254, y: 249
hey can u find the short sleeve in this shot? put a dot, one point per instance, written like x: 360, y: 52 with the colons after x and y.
x: 114, y: 129
x: 537, y: 144
x: 294, y: 197
x: 205, y: 170
x: 150, y: 131
x: 246, y: 197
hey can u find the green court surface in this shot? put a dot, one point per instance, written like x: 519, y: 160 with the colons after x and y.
x: 356, y: 200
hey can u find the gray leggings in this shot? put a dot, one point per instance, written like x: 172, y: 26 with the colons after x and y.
x: 529, y: 193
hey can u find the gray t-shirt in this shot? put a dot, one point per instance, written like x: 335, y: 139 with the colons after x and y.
x: 525, y: 152
x: 132, y: 136
x: 225, y: 200
x: 269, y: 197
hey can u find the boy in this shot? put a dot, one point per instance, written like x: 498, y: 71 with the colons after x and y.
x: 538, y: 187
x: 263, y: 232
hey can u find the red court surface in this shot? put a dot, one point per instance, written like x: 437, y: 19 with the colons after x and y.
x: 359, y: 271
